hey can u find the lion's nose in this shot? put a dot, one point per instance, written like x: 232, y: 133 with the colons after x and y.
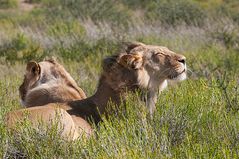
x: 182, y: 60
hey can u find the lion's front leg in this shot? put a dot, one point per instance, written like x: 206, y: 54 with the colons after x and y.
x: 151, y: 101
x: 152, y: 95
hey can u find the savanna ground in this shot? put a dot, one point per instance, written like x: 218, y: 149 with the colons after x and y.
x: 198, y: 118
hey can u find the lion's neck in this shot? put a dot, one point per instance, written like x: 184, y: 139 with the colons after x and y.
x: 92, y: 106
x: 104, y: 94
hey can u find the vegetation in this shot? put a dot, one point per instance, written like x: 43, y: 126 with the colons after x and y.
x: 197, y: 118
x: 8, y: 4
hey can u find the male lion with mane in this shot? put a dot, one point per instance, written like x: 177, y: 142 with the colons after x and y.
x: 140, y: 67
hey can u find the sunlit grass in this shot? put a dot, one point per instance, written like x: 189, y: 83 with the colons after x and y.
x: 192, y: 120
x: 197, y: 118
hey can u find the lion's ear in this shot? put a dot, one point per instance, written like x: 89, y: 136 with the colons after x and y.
x: 131, y: 61
x: 132, y: 45
x: 33, y: 67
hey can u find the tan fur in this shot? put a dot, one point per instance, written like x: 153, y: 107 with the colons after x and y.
x: 49, y: 113
x: 159, y: 64
x: 140, y: 67
x: 48, y: 82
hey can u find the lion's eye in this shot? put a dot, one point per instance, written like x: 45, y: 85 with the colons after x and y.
x: 158, y: 54
x: 156, y: 57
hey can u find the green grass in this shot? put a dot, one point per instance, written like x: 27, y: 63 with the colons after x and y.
x: 198, y: 118
x: 4, y: 4
x: 193, y: 120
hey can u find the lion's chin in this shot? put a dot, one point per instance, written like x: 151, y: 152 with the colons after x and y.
x: 180, y: 77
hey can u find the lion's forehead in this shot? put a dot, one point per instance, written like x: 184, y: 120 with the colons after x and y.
x: 161, y: 49
x: 50, y: 69
x: 148, y: 50
x: 46, y: 66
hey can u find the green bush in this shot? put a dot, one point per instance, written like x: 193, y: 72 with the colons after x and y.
x: 136, y: 4
x: 176, y: 12
x: 60, y: 28
x: 8, y: 4
x: 21, y: 48
x: 230, y: 12
x: 226, y: 32
x: 33, y: 1
x: 104, y: 10
x: 187, y: 124
x: 81, y: 50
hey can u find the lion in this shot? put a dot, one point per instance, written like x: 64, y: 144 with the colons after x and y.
x: 48, y: 82
x: 47, y: 115
x: 140, y: 67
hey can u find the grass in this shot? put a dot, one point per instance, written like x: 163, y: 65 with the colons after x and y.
x: 197, y: 118
x: 8, y: 4
x: 193, y: 120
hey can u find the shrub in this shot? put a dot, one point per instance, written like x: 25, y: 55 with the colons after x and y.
x: 65, y: 28
x: 176, y: 12
x: 8, y: 4
x: 135, y: 4
x: 82, y: 49
x: 226, y: 32
x: 21, y: 48
x: 33, y: 1
x: 229, y: 8
x: 104, y: 10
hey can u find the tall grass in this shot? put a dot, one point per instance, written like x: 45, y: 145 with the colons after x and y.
x: 197, y: 118
x: 5, y: 4
x: 192, y: 120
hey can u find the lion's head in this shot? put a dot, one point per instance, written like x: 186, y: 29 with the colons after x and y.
x: 146, y: 67
x: 149, y: 64
x: 48, y: 82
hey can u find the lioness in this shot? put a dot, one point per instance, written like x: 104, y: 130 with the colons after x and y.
x: 48, y: 82
x: 67, y: 127
x: 139, y: 67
